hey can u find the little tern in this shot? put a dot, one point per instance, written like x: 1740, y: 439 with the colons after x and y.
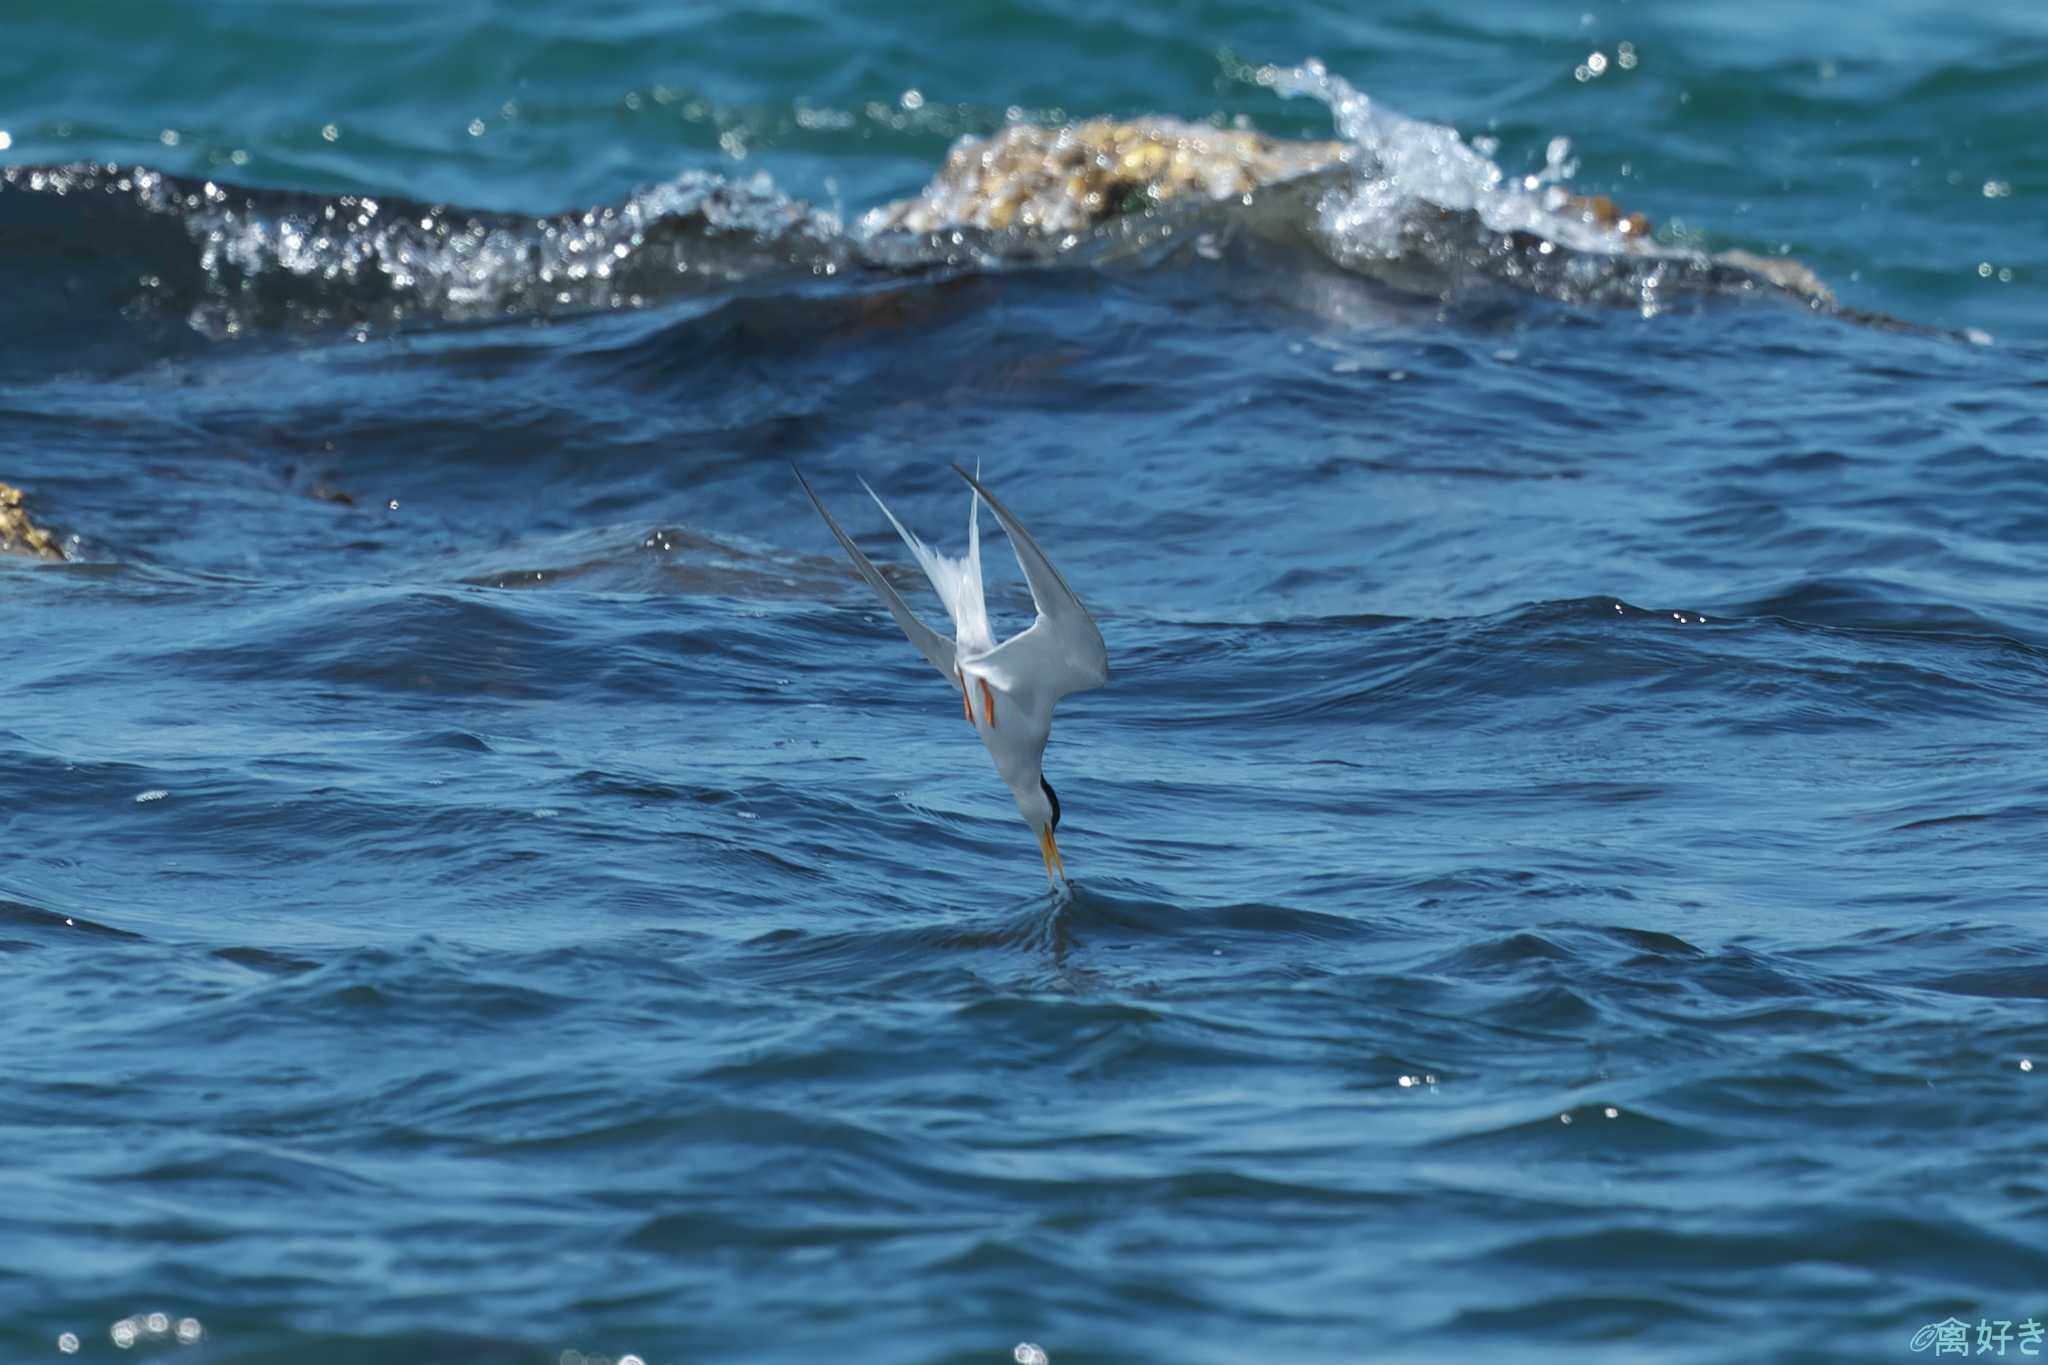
x: 1016, y: 682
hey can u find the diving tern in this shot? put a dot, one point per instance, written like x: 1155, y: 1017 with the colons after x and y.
x: 1007, y: 690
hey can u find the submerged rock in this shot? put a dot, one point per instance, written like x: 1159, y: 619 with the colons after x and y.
x: 1070, y: 178
x: 1781, y: 271
x: 19, y: 535
x: 1074, y: 177
x: 1050, y: 181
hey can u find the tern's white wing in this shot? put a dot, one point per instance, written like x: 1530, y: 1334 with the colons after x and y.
x: 1062, y: 652
x: 929, y: 642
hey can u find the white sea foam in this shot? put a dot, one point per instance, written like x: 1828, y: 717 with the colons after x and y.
x: 1410, y: 167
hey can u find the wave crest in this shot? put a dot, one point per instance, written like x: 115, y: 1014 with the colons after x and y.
x: 1403, y: 202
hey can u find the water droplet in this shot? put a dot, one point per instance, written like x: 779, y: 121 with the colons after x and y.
x: 189, y: 1330
x: 1612, y: 1112
x: 2026, y: 1063
x: 1028, y: 1353
x: 1565, y: 1119
x: 68, y: 1343
x: 6, y: 139
x: 158, y: 1323
x: 153, y: 794
x: 1407, y: 1081
x: 330, y: 132
x: 476, y: 127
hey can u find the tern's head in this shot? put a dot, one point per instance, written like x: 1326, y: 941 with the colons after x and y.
x: 1041, y: 810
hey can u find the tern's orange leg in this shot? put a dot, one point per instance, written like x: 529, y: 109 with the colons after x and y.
x: 988, y: 703
x: 966, y: 706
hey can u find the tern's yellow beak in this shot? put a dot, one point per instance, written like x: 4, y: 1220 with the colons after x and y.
x: 1049, y: 849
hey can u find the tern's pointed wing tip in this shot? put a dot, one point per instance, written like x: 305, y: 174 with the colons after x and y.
x: 805, y: 484
x: 934, y: 646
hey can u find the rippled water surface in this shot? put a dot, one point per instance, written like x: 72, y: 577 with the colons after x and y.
x: 1558, y: 865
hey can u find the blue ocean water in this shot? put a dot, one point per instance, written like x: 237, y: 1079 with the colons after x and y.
x: 1558, y: 868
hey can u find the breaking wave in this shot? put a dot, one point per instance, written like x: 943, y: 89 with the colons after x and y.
x: 1404, y: 203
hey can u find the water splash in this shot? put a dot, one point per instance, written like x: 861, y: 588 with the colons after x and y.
x: 1410, y: 167
x: 469, y: 265
x: 268, y: 257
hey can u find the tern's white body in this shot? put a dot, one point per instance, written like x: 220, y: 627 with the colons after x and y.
x: 1007, y: 690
